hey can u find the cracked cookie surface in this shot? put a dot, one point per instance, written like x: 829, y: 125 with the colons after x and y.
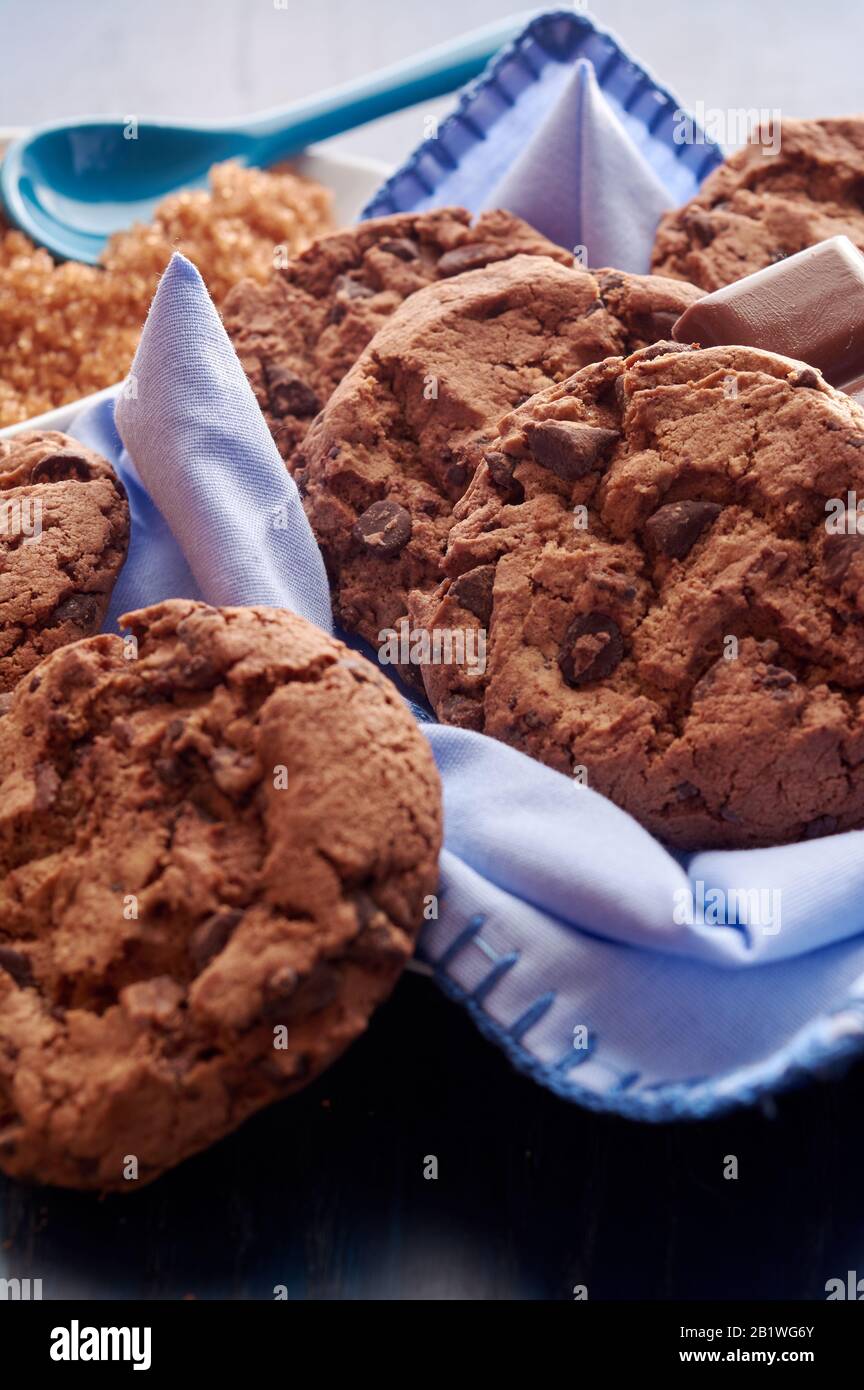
x: 663, y: 603
x: 383, y: 466
x: 757, y: 207
x: 64, y: 531
x: 297, y: 334
x: 183, y: 873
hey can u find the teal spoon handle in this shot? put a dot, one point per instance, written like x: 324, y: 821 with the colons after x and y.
x: 432, y: 74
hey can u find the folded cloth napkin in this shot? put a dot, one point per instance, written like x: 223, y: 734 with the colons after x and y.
x: 565, y: 129
x: 578, y: 942
x: 562, y: 155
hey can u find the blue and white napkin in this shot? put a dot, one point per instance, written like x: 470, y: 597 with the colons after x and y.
x: 566, y: 130
x: 615, y: 973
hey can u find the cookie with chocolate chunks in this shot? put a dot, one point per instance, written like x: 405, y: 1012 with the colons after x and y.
x: 763, y: 203
x: 406, y: 429
x: 194, y: 920
x: 682, y: 618
x: 298, y: 334
x: 64, y: 532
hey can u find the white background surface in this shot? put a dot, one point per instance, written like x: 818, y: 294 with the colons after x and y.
x: 214, y: 58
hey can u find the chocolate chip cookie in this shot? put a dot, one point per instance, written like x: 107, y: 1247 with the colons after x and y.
x: 297, y: 334
x: 64, y: 530
x: 670, y: 613
x: 759, y: 207
x: 395, y: 449
x: 194, y: 921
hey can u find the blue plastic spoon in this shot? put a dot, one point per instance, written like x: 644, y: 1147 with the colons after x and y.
x: 69, y: 186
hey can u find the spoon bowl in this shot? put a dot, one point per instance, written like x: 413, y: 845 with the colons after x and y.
x: 70, y: 187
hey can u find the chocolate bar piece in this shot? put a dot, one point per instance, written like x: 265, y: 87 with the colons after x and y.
x: 809, y: 306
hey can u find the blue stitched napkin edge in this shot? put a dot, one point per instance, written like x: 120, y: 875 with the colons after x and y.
x: 558, y: 36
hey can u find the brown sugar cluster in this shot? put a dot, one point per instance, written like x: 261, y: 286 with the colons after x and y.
x: 67, y: 330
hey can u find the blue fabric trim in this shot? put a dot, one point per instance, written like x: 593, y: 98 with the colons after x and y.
x: 658, y: 116
x: 662, y: 1102
x: 577, y: 1056
x: 558, y: 36
x: 709, y: 162
x: 490, y: 981
x: 463, y: 939
x: 637, y: 92
x: 532, y: 1015
x: 625, y: 1082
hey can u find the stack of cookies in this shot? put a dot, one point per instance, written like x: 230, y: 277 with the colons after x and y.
x: 564, y: 528
x: 604, y: 547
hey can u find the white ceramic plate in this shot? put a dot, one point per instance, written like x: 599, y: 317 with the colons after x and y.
x: 352, y: 182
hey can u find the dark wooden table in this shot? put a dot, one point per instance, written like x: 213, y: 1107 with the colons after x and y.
x: 325, y: 1193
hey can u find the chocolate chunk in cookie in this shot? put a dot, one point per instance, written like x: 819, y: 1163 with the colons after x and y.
x: 501, y: 470
x: 567, y: 449
x: 83, y: 611
x: 474, y: 591
x: 64, y: 530
x: 470, y: 257
x: 60, y: 465
x: 384, y: 528
x: 591, y: 649
x: 16, y: 966
x: 287, y: 393
x: 177, y: 952
x: 213, y: 936
x: 806, y: 377
x: 402, y: 247
x: 844, y: 549
x: 664, y: 347
x: 673, y: 530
